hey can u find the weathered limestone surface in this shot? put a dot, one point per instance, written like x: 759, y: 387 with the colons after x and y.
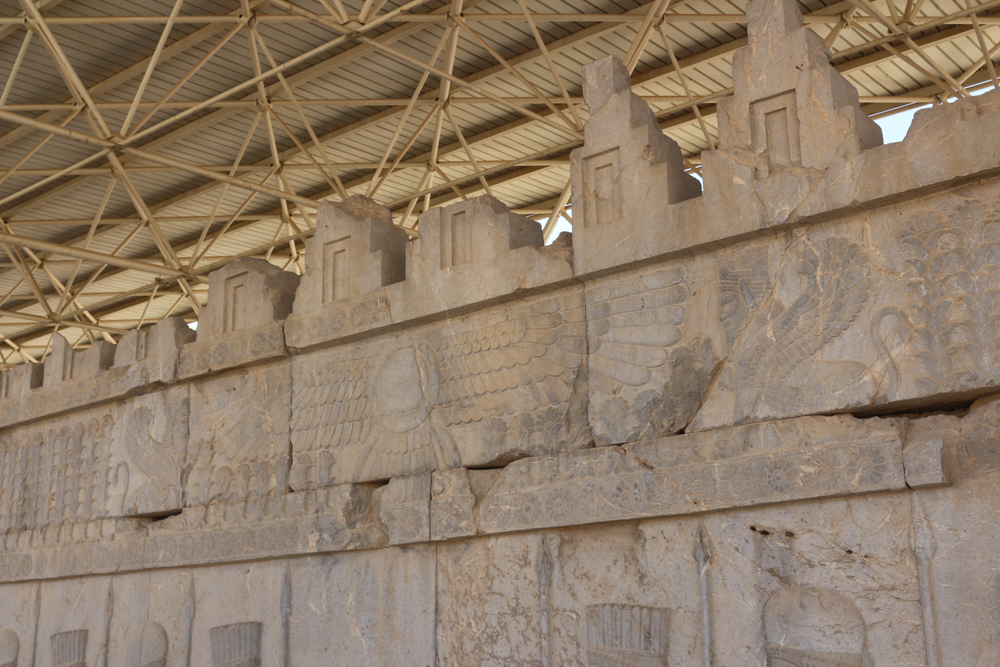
x: 242, y: 323
x: 475, y: 390
x: 755, y: 425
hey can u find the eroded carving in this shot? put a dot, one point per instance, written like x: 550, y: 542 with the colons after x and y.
x: 239, y: 435
x: 805, y: 625
x: 497, y: 383
x: 9, y: 646
x: 644, y: 379
x: 69, y: 649
x: 626, y: 636
x: 744, y: 284
x: 147, y: 646
x: 236, y: 645
x: 955, y: 277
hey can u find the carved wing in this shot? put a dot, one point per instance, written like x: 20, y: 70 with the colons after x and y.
x: 521, y: 364
x: 631, y: 331
x: 781, y: 338
x: 244, y: 414
x: 144, y: 451
x: 330, y: 404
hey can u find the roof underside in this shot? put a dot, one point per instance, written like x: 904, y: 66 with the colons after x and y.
x: 157, y: 139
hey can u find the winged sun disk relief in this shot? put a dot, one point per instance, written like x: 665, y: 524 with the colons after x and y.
x: 401, y: 406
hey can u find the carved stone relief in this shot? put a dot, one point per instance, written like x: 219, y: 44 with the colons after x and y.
x: 693, y: 450
x: 647, y: 367
x: 239, y: 435
x: 9, y: 647
x: 236, y: 645
x: 474, y: 390
x: 805, y: 625
x: 121, y: 460
x: 69, y: 649
x: 147, y: 646
x: 882, y: 308
x: 626, y: 636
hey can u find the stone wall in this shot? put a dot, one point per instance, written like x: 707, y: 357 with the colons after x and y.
x: 755, y: 425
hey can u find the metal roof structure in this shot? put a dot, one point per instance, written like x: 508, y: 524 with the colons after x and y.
x: 144, y: 143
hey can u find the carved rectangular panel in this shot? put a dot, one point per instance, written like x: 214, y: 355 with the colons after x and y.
x: 456, y: 241
x: 621, y: 635
x: 602, y: 185
x: 336, y: 270
x: 236, y: 303
x: 775, y: 129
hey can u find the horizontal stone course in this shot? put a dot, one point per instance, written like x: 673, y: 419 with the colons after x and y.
x: 751, y: 424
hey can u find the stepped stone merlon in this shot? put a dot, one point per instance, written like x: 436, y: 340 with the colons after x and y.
x: 243, y: 322
x: 626, y: 161
x: 245, y: 294
x: 163, y: 339
x: 473, y: 251
x: 790, y: 106
x: 356, y: 250
x: 65, y: 363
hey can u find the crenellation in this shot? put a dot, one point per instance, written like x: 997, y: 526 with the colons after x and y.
x: 754, y: 424
x: 248, y: 301
x: 446, y: 271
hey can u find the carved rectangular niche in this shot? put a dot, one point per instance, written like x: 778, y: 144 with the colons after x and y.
x: 336, y: 270
x: 236, y: 303
x: 456, y: 241
x: 602, y: 188
x: 775, y: 128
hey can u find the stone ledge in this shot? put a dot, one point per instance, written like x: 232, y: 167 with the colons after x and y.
x: 740, y: 467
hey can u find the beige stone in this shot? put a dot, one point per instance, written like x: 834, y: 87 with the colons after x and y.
x: 355, y: 254
x: 888, y: 307
x: 248, y: 301
x: 239, y: 435
x: 811, y: 457
x: 474, y: 390
x: 755, y: 425
x: 626, y: 177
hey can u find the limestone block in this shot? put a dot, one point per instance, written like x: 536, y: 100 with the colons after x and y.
x: 142, y: 361
x: 470, y: 252
x: 335, y: 519
x: 149, y: 438
x: 239, y: 434
x: 152, y: 618
x: 119, y: 460
x: 810, y: 457
x: 652, y: 349
x: 248, y: 301
x: 627, y: 174
x: 372, y: 609
x: 543, y: 593
x: 956, y: 545
x: 929, y: 453
x: 18, y: 609
x: 243, y: 613
x: 882, y: 308
x: 65, y: 364
x: 405, y: 508
x: 792, y: 136
x: 452, y: 505
x: 944, y: 144
x: 483, y: 388
x: 354, y: 255
x: 72, y: 622
x: 15, y: 384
